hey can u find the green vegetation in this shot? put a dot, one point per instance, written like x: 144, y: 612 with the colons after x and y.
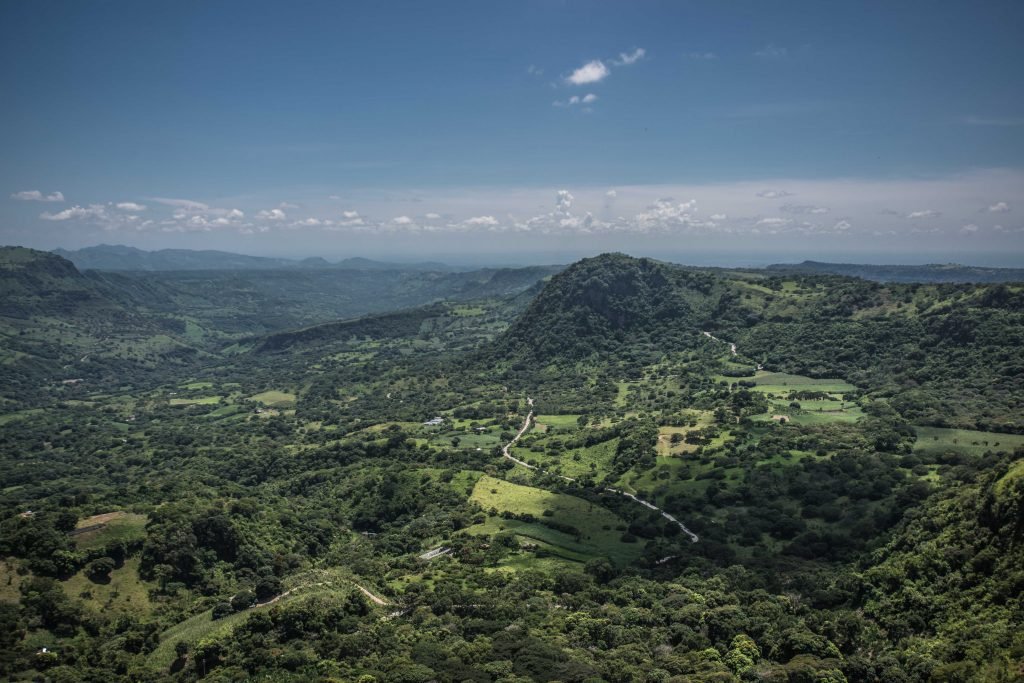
x: 246, y: 488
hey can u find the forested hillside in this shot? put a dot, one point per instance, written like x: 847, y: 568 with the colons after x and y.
x: 631, y: 471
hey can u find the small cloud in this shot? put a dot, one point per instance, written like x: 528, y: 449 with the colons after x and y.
x: 349, y: 215
x: 482, y: 221
x: 589, y: 98
x: 969, y: 229
x: 187, y: 204
x: 803, y: 209
x: 994, y: 121
x: 130, y: 206
x: 927, y: 213
x: 630, y: 58
x: 775, y: 221
x: 402, y: 220
x: 701, y: 56
x: 718, y: 216
x: 611, y: 194
x: 334, y: 197
x: 592, y: 72
x: 842, y: 226
x: 272, y: 215
x: 91, y: 211
x: 772, y: 52
x: 999, y: 207
x: 433, y: 216
x: 774, y: 194
x: 37, y: 196
x: 534, y: 70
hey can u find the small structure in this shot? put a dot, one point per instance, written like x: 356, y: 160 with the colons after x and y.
x: 434, y: 421
x: 781, y: 419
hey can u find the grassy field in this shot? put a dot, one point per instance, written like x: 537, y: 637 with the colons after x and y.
x: 202, y: 401
x: 274, y: 399
x: 558, y: 422
x: 125, y: 593
x: 599, y: 533
x: 965, y: 440
x: 9, y: 581
x: 118, y: 526
x: 783, y: 383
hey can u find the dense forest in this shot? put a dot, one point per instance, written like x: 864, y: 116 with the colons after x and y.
x: 624, y: 470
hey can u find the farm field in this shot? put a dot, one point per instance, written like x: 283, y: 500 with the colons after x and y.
x: 965, y: 440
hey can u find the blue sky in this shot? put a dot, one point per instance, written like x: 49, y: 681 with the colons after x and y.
x: 507, y: 129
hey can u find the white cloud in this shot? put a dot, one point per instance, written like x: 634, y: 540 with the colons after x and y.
x: 563, y: 200
x: 842, y: 226
x: 772, y: 52
x: 334, y: 197
x: 999, y: 207
x: 589, y: 98
x: 969, y: 229
x: 803, y: 209
x: 534, y: 70
x: 718, y: 217
x: 130, y: 206
x: 433, y: 216
x: 287, y: 205
x: 926, y: 213
x: 37, y: 196
x: 402, y: 220
x: 773, y: 194
x: 591, y: 72
x: 349, y: 215
x: 275, y: 215
x: 776, y: 222
x: 482, y: 221
x: 611, y: 194
x: 91, y: 211
x: 186, y: 204
x: 627, y: 59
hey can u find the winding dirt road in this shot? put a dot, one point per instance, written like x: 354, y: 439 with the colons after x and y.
x: 651, y: 506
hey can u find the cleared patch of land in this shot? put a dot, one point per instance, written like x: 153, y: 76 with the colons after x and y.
x: 965, y: 440
x: 598, y: 532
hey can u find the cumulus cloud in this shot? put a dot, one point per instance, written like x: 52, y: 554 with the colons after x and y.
x: 130, y: 206
x: 719, y: 217
x: 926, y: 213
x: 91, y: 211
x: 774, y: 194
x: 433, y: 216
x: 592, y: 72
x: 275, y: 215
x: 629, y: 58
x: 37, y: 196
x: 842, y: 226
x: 969, y: 229
x: 402, y: 220
x: 999, y: 207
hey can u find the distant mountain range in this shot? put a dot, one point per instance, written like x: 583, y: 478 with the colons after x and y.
x: 120, y: 257
x: 123, y: 258
x: 948, y: 272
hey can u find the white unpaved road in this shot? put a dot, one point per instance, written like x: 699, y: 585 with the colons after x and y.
x: 526, y: 425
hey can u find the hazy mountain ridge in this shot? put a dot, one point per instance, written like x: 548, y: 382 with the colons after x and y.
x: 120, y: 257
x: 948, y: 272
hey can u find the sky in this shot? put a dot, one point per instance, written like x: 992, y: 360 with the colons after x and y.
x: 734, y: 133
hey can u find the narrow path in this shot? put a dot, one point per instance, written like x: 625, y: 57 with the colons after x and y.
x: 526, y: 425
x: 732, y: 346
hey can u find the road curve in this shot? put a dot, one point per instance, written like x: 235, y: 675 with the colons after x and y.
x: 651, y: 506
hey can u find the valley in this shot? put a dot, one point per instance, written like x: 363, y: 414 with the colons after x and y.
x: 618, y: 470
